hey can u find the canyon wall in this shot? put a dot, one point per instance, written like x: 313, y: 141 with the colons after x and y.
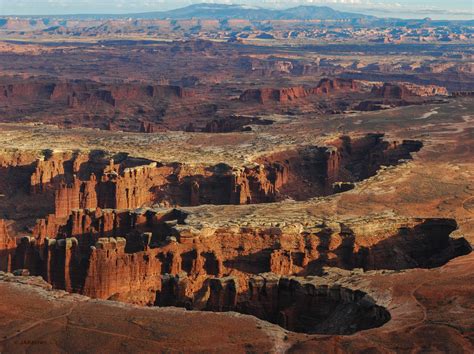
x: 87, y: 93
x: 285, y: 95
x: 407, y: 90
x: 7, y: 247
x: 60, y: 182
x: 94, y: 104
x: 142, y: 257
x: 307, y: 305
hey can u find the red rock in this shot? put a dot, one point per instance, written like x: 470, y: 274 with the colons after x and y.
x: 7, y: 247
x: 406, y: 91
x: 334, y: 86
x: 147, y: 127
x: 285, y: 95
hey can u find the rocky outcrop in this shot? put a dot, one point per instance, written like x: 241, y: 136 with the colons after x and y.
x: 149, y: 256
x: 405, y: 91
x: 6, y: 242
x: 285, y: 95
x: 80, y: 103
x: 392, y: 91
x: 335, y: 86
x: 111, y: 270
x: 129, y: 189
x: 88, y: 92
x: 45, y: 173
x: 426, y: 90
x: 309, y: 305
x: 88, y: 183
x: 7, y: 247
x: 76, y: 195
x: 266, y: 95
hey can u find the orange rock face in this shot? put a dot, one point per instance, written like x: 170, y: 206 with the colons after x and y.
x: 60, y: 100
x: 7, y: 246
x: 127, y: 255
x: 420, y: 314
x: 88, y: 93
x: 406, y: 91
x: 266, y: 95
x: 285, y: 95
x: 328, y: 86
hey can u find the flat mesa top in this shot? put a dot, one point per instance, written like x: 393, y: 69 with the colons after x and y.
x: 240, y: 148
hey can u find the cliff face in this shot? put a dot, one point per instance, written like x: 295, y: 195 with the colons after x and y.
x: 7, y: 246
x: 45, y: 173
x: 306, y: 306
x: 334, y: 86
x: 266, y: 95
x: 88, y: 92
x: 340, y: 302
x: 101, y: 240
x: 61, y: 182
x: 150, y: 257
x: 285, y: 95
x: 115, y: 104
x: 426, y: 90
x: 406, y: 91
x: 147, y: 184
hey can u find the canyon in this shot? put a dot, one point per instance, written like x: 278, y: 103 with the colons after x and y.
x: 69, y: 181
x: 136, y: 106
x: 111, y: 226
x: 299, y: 184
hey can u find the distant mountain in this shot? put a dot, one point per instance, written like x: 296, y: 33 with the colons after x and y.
x: 223, y: 12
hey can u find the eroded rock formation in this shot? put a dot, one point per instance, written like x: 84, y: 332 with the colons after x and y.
x: 78, y: 93
x: 309, y: 305
x: 285, y: 95
x: 58, y: 183
x: 127, y: 255
x: 7, y: 246
x: 406, y: 91
x: 120, y: 106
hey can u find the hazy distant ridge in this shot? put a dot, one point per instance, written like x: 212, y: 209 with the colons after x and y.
x: 222, y: 12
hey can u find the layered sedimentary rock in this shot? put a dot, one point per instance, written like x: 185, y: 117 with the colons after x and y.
x: 284, y: 95
x: 7, y: 246
x: 45, y: 173
x: 426, y: 90
x: 406, y: 91
x: 87, y: 181
x: 83, y: 93
x: 420, y: 312
x: 119, y: 106
x: 265, y: 95
x: 334, y: 86
x: 128, y: 190
x: 127, y: 255
x: 308, y: 305
x: 6, y: 241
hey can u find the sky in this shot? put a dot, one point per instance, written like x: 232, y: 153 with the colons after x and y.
x: 436, y: 9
